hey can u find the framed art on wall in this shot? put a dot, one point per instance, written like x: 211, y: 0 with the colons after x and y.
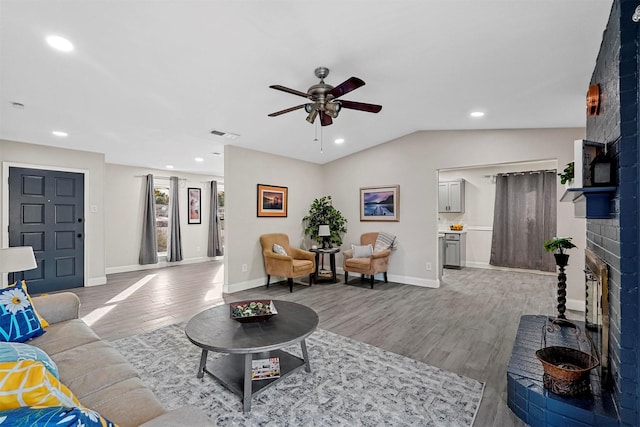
x: 195, y: 211
x: 272, y: 201
x: 381, y: 203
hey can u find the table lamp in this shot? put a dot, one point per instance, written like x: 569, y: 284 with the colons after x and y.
x: 17, y: 258
x: 324, y: 232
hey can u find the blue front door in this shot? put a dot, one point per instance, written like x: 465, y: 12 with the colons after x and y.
x: 46, y: 211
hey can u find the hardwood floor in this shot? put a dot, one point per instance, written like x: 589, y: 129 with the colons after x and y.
x: 466, y: 326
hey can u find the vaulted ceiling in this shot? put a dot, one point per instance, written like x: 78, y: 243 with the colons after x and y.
x: 147, y: 81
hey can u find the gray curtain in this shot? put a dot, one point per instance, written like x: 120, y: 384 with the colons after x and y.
x: 149, y: 242
x: 214, y: 246
x: 524, y: 217
x: 174, y: 240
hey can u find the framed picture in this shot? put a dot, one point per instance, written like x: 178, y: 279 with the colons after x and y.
x: 380, y: 203
x: 195, y: 209
x: 272, y: 201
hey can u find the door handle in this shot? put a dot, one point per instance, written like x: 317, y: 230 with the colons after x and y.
x: 79, y: 235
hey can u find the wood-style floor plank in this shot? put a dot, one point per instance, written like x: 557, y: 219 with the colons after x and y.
x: 466, y: 326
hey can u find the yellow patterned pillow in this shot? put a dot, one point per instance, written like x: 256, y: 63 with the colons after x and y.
x: 43, y: 322
x: 29, y: 383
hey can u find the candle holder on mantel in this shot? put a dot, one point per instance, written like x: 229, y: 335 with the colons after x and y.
x: 558, y: 245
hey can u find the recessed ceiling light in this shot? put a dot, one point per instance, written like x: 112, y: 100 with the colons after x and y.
x: 169, y: 166
x: 60, y: 133
x: 477, y: 114
x: 60, y: 43
x: 199, y: 159
x: 339, y: 140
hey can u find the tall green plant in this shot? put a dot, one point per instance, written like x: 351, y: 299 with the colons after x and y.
x: 322, y: 212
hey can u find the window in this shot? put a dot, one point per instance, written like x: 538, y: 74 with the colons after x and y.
x: 221, y: 212
x: 161, y: 193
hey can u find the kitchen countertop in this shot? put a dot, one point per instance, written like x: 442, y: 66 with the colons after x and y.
x: 445, y: 231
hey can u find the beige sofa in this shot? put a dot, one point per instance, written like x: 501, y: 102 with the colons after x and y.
x: 98, y: 375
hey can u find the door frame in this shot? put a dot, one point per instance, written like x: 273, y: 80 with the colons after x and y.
x: 5, y: 207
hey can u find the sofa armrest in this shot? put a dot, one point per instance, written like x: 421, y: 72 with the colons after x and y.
x: 55, y: 308
x: 185, y: 416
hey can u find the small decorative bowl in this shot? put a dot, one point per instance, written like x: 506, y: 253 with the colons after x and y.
x: 252, y: 310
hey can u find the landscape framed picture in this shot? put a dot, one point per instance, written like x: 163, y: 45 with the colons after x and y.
x: 272, y: 201
x: 381, y: 203
x: 195, y: 208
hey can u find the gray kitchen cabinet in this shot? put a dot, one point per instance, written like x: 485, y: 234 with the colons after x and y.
x: 455, y: 249
x: 451, y: 196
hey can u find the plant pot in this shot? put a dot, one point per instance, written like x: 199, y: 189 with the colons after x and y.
x: 561, y: 259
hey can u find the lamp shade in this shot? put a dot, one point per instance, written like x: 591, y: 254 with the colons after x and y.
x: 323, y: 231
x: 17, y: 258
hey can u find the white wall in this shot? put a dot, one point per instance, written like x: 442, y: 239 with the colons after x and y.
x: 244, y: 170
x: 124, y: 191
x: 92, y: 166
x: 413, y: 161
x: 480, y: 192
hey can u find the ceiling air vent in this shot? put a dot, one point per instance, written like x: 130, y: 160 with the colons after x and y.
x: 225, y: 134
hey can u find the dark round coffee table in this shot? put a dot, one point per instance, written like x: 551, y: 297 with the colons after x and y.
x: 215, y: 330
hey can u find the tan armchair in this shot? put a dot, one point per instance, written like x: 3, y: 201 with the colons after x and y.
x: 377, y: 263
x: 296, y: 263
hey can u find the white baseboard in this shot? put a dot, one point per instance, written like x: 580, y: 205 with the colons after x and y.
x: 96, y: 281
x: 406, y: 280
x: 576, y: 305
x: 161, y: 264
x: 249, y: 284
x: 487, y: 266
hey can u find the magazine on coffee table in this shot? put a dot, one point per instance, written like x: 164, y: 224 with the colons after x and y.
x: 262, y: 369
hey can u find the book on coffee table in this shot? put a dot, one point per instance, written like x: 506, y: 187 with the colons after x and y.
x: 262, y: 369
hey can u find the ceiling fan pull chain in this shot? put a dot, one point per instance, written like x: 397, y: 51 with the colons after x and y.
x: 321, y: 141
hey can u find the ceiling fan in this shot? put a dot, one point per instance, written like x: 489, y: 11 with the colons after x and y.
x: 324, y: 99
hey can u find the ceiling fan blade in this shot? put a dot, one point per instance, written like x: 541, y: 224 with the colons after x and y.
x: 277, y: 113
x: 325, y: 119
x: 371, y: 108
x: 288, y: 90
x: 347, y: 86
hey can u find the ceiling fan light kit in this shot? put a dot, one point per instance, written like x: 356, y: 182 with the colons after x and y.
x: 324, y: 101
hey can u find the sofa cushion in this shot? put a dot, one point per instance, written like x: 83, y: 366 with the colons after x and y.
x: 59, y: 416
x: 65, y: 335
x: 18, y: 319
x: 127, y: 403
x: 92, y: 367
x: 29, y: 383
x: 16, y: 351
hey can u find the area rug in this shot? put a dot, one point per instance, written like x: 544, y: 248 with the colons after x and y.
x: 351, y: 383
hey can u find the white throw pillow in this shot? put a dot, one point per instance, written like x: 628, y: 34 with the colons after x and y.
x: 279, y: 249
x: 362, y: 251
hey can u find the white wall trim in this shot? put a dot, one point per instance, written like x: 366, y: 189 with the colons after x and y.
x: 96, y: 281
x: 249, y: 284
x: 576, y: 304
x: 405, y: 280
x: 478, y: 228
x: 487, y: 266
x: 161, y: 264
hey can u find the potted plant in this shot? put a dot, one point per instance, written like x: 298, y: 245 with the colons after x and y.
x: 558, y: 245
x: 322, y: 212
x: 566, y: 176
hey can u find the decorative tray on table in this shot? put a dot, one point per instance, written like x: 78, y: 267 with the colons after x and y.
x: 252, y: 310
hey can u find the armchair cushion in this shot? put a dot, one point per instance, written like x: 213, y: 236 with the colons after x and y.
x: 279, y: 249
x: 362, y: 251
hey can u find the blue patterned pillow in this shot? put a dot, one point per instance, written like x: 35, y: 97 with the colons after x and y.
x: 15, y: 351
x: 52, y: 416
x: 18, y: 320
